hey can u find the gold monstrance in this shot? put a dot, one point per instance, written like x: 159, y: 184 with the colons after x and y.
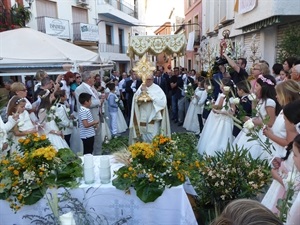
x: 144, y: 70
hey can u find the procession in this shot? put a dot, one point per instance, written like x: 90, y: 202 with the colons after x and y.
x: 190, y: 117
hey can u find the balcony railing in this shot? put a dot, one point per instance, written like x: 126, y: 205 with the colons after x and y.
x: 124, y: 8
x: 112, y: 48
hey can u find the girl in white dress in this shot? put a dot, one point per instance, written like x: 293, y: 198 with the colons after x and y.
x: 280, y: 136
x: 24, y: 124
x: 266, y: 107
x: 20, y: 90
x: 4, y: 129
x: 47, y: 119
x: 106, y: 134
x: 292, y: 120
x: 63, y: 112
x: 121, y: 125
x: 191, y: 122
x: 217, y: 131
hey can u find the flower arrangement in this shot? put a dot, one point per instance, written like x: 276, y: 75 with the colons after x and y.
x: 189, y: 91
x: 25, y: 176
x: 228, y: 175
x: 151, y: 168
x: 32, y: 142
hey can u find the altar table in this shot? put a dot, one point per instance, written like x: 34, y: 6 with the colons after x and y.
x: 172, y: 208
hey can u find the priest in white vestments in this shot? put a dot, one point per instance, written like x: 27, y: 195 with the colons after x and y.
x: 149, y: 117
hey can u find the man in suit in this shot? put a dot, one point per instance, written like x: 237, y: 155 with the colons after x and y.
x: 130, y: 87
x: 87, y: 86
x: 160, y: 81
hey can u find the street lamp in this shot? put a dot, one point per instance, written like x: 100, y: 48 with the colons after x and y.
x: 29, y: 2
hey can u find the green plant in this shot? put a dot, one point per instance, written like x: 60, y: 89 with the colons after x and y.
x: 20, y: 15
x: 151, y: 168
x: 115, y: 144
x: 228, y: 175
x: 290, y: 44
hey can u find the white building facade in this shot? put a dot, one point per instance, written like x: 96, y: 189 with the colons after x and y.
x: 263, y: 22
x: 102, y: 26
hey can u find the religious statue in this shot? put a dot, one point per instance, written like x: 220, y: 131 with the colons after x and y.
x: 144, y: 70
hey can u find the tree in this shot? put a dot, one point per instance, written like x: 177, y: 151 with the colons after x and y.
x: 290, y: 44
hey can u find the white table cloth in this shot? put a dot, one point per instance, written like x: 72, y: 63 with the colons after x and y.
x: 172, y: 208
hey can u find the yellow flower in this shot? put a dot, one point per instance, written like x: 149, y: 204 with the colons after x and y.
x: 43, y: 137
x: 5, y: 161
x: 21, y: 140
x: 130, y: 168
x: 125, y: 175
x: 16, y: 172
x: 20, y: 196
x: 36, y: 139
x: 10, y: 168
x: 27, y: 141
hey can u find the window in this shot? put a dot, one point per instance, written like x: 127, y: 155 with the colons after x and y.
x: 189, y: 64
x: 121, y: 41
x: 196, y: 23
x: 189, y: 26
x: 79, y: 15
x: 108, y: 29
x: 46, y: 8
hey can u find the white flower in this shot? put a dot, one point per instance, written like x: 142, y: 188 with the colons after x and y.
x: 185, y: 91
x: 252, y: 97
x: 67, y: 110
x: 52, y: 108
x: 208, y: 102
x: 235, y: 101
x: 249, y: 124
x: 2, y: 133
x: 226, y: 88
x: 223, y: 197
x: 209, y: 87
x: 21, y: 123
x: 190, y: 84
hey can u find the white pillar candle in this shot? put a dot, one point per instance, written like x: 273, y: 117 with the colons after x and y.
x: 88, y: 161
x: 104, y: 162
x: 105, y: 175
x: 89, y: 175
x: 67, y: 219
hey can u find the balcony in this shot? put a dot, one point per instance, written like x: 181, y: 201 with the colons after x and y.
x: 121, y: 13
x: 124, y: 8
x: 112, y: 48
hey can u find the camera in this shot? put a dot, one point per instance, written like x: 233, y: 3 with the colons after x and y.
x: 220, y: 61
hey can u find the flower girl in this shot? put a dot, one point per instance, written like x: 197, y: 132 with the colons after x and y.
x: 292, y: 120
x: 5, y: 128
x: 48, y: 120
x: 266, y: 107
x: 62, y: 111
x: 24, y: 125
x: 280, y: 136
x: 217, y: 131
x: 191, y: 122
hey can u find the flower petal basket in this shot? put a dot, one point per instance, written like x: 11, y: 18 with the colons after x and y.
x: 151, y: 168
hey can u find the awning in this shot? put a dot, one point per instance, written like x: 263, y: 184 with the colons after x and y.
x: 139, y: 45
x: 263, y: 23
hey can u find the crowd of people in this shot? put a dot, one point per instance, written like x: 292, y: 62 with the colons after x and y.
x: 81, y: 111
